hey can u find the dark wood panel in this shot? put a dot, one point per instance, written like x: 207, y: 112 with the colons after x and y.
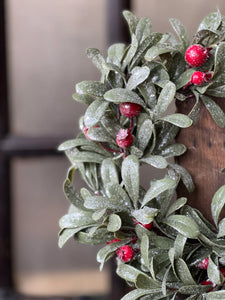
x: 204, y: 158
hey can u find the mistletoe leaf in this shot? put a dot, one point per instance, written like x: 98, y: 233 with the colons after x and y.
x: 139, y: 75
x: 216, y: 112
x: 218, y: 295
x: 156, y: 161
x: 115, y: 54
x: 184, y: 225
x: 130, y: 53
x: 221, y: 232
x: 185, y: 176
x: 148, y: 91
x: 157, y: 50
x: 144, y: 133
x: 194, y: 290
x: 179, y: 120
x: 78, y: 218
x: 131, y: 177
x: 184, y: 78
x: 99, y: 134
x: 67, y: 233
x: 109, y: 172
x: 176, y: 205
x: 143, y: 29
x: 145, y: 250
x: 211, y: 21
x: 97, y: 59
x: 217, y: 204
x: 119, y: 95
x: 145, y: 215
x: 131, y: 19
x: 183, y: 272
x: 176, y: 149
x: 76, y: 156
x: 93, y: 88
x: 165, y: 98
x: 214, y: 272
x: 158, y: 187
x: 94, y: 112
x: 181, y: 32
x: 136, y: 294
x: 114, y: 223
x: 82, y: 98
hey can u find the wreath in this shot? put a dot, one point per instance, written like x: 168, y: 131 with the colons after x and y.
x: 164, y: 248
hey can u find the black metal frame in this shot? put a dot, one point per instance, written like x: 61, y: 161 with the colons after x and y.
x: 14, y: 146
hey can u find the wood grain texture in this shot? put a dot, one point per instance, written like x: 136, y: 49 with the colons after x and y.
x: 204, y: 158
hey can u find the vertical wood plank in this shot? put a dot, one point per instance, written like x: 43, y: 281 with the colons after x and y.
x: 204, y: 158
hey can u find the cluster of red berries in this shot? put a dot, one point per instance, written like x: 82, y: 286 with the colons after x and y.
x: 196, y: 56
x: 126, y: 253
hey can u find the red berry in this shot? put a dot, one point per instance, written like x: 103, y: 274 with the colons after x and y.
x: 203, y: 264
x: 125, y: 253
x: 124, y: 138
x: 113, y: 241
x: 198, y: 78
x: 196, y: 55
x: 129, y: 109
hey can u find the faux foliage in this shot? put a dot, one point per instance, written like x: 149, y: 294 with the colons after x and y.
x: 113, y: 208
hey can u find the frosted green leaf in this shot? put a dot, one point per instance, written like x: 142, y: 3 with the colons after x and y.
x: 130, y: 53
x: 216, y: 112
x: 131, y: 177
x: 98, y: 214
x: 211, y: 21
x: 119, y: 95
x: 116, y: 191
x: 76, y: 156
x: 145, y: 250
x: 136, y: 294
x: 109, y: 172
x: 144, y: 134
x: 93, y: 88
x: 179, y: 245
x: 181, y: 32
x: 157, y: 50
x: 69, y: 144
x: 217, y: 204
x: 94, y: 112
x: 149, y: 41
x: 131, y: 19
x: 156, y: 161
x: 193, y: 290
x: 115, y: 53
x: 218, y: 295
x: 185, y: 177
x: 97, y: 59
x: 165, y: 98
x: 183, y: 272
x: 78, y: 218
x: 158, y: 187
x: 82, y: 98
x: 177, y: 204
x: 213, y: 273
x: 148, y: 91
x: 179, y: 120
x: 184, y: 78
x: 184, y: 225
x: 99, y: 134
x: 219, y: 59
x: 176, y: 149
x: 139, y: 75
x: 114, y: 223
x: 143, y: 29
x: 221, y: 232
x: 67, y: 233
x: 145, y: 215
